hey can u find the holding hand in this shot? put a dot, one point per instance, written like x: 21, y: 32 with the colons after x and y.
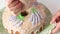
x: 56, y: 19
x: 15, y: 5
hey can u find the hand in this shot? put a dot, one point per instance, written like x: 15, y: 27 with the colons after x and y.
x: 15, y: 5
x: 56, y: 19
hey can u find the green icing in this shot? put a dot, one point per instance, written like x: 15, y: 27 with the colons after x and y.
x: 48, y: 29
x: 20, y: 17
x: 33, y: 9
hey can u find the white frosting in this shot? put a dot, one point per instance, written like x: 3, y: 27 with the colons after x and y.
x: 15, y: 21
x: 35, y: 17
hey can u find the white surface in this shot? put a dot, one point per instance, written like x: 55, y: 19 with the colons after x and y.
x: 53, y: 5
x: 2, y: 3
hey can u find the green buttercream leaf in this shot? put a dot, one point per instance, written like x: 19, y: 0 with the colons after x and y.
x: 20, y: 17
x: 33, y: 9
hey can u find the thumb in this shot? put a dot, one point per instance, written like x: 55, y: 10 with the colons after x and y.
x: 52, y: 21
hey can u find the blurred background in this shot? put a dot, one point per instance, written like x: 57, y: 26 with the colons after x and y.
x: 53, y: 5
x: 2, y: 3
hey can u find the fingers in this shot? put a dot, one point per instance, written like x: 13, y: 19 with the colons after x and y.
x: 9, y: 1
x: 56, y: 29
x: 16, y: 6
x: 13, y: 4
x: 55, y: 17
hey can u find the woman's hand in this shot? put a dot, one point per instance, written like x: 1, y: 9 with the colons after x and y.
x: 56, y: 18
x: 15, y: 5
